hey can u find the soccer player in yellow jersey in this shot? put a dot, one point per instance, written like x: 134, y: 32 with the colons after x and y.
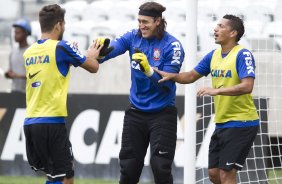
x: 232, y: 69
x: 47, y: 63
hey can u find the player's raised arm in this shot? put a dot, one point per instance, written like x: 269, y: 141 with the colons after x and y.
x: 92, y: 54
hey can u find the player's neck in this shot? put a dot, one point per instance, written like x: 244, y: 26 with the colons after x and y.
x: 225, y: 48
x: 49, y: 36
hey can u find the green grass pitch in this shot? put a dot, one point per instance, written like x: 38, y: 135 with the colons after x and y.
x: 41, y: 180
x: 272, y: 175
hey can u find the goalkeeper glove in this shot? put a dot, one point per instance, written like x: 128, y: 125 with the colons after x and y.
x: 105, y: 49
x: 142, y: 60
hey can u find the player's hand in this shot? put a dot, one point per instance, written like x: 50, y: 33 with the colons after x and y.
x: 165, y: 75
x: 106, y: 49
x: 145, y: 67
x: 207, y: 91
x: 94, y: 49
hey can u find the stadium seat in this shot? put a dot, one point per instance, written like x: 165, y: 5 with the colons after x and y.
x: 269, y: 4
x: 230, y: 9
x: 79, y: 32
x: 178, y: 30
x: 274, y: 30
x: 208, y: 10
x: 9, y: 10
x: 264, y: 44
x: 278, y: 12
x: 244, y: 41
x: 254, y: 28
x: 206, y: 36
x: 104, y: 29
x: 35, y: 31
x: 174, y: 10
x: 98, y: 11
x: 126, y: 26
x: 206, y: 13
x: 84, y: 32
x: 258, y: 13
x: 124, y: 11
x: 74, y: 10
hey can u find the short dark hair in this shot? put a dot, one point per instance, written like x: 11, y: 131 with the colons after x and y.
x: 49, y: 16
x: 156, y: 9
x: 236, y: 24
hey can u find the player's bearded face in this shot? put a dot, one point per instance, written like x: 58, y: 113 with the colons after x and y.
x: 147, y: 26
x: 62, y: 30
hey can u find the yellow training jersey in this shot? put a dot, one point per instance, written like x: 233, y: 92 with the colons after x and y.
x: 224, y: 74
x: 46, y: 87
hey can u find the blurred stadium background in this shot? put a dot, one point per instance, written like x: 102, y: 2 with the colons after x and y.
x: 86, y: 20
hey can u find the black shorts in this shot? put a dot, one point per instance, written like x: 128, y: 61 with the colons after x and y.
x: 141, y: 128
x: 229, y: 147
x: 49, y: 149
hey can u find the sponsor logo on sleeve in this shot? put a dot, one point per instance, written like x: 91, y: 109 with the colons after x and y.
x: 249, y: 62
x: 176, y: 53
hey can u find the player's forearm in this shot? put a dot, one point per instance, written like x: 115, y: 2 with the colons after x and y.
x: 245, y: 87
x: 181, y: 78
x: 186, y: 77
x: 239, y: 89
x: 91, y: 65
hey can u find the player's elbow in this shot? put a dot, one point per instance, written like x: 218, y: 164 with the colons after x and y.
x: 93, y: 69
x: 247, y: 85
x: 247, y: 90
